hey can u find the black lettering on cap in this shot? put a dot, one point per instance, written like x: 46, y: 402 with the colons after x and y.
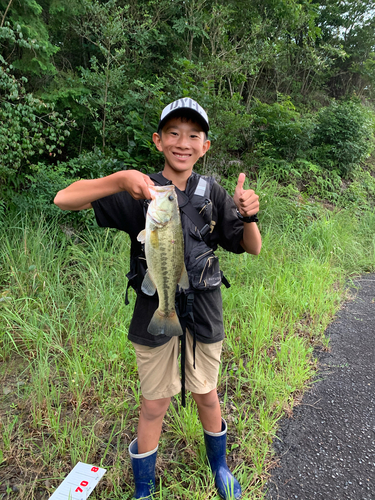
x: 184, y: 102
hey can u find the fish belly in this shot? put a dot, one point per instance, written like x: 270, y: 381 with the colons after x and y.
x: 164, y: 249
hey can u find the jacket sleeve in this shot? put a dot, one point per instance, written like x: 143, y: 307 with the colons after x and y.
x: 120, y: 211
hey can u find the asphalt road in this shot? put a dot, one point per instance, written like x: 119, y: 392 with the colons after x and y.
x: 326, y: 449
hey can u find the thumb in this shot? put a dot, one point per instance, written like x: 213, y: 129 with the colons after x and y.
x: 148, y: 180
x: 240, y: 182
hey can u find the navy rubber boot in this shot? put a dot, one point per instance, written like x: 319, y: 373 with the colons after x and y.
x: 143, y: 466
x: 216, y: 446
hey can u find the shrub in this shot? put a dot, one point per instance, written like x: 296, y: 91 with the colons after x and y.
x: 343, y: 135
x: 29, y: 129
x: 360, y: 193
x: 43, y: 181
x: 279, y: 131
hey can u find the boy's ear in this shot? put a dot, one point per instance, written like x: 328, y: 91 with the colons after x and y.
x: 206, y: 147
x: 157, y: 141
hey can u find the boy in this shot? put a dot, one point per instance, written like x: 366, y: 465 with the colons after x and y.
x: 119, y: 201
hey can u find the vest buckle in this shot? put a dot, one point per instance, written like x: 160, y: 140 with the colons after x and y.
x: 205, y: 230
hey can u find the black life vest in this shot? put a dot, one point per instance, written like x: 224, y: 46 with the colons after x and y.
x: 201, y: 263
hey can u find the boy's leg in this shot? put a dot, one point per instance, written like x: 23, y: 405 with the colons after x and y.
x: 215, y: 437
x: 209, y: 410
x: 202, y: 384
x: 159, y: 377
x: 143, y: 449
x: 150, y: 423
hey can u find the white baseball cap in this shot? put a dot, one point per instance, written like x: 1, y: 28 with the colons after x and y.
x: 184, y: 103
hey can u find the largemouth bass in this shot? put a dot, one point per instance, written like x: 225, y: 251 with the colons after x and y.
x: 164, y: 249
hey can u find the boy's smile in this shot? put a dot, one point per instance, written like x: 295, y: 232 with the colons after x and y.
x: 182, y: 143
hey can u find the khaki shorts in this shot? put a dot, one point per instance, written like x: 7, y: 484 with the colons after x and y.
x: 159, y: 373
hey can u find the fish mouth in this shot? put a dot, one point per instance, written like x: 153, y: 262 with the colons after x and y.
x: 160, y: 217
x: 154, y: 190
x: 158, y: 223
x: 160, y: 209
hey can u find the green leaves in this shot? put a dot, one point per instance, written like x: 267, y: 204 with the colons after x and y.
x: 24, y: 36
x: 28, y: 127
x: 114, y: 64
x: 344, y: 135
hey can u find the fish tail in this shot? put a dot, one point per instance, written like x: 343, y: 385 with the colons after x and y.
x: 162, y: 324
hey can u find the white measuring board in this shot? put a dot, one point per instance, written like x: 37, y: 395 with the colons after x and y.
x: 79, y: 483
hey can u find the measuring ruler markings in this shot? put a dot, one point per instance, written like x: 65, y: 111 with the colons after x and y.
x: 79, y: 483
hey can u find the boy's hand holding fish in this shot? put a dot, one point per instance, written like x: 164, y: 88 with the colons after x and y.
x: 80, y: 194
x: 136, y: 184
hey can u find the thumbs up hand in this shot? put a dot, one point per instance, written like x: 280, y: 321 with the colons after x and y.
x: 246, y: 200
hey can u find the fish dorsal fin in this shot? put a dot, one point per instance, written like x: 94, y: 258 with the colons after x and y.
x: 142, y: 236
x: 148, y: 286
x: 184, y: 280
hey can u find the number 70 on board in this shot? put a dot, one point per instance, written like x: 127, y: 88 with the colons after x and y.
x: 79, y: 483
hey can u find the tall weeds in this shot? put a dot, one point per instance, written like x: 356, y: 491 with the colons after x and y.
x: 70, y: 386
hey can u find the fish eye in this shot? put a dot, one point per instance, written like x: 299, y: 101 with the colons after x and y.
x: 171, y: 197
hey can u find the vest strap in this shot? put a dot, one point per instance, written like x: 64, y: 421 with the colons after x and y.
x: 225, y: 281
x: 127, y: 294
x: 201, y: 187
x: 184, y: 309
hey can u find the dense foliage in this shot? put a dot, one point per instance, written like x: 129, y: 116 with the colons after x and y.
x: 288, y: 85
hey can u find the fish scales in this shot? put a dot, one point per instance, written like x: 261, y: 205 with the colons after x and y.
x: 164, y: 262
x: 164, y: 249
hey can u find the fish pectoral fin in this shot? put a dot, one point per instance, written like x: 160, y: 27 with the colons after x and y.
x: 184, y: 280
x: 142, y: 236
x: 148, y: 287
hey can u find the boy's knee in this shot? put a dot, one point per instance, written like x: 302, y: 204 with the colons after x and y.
x: 208, y: 400
x: 154, y: 409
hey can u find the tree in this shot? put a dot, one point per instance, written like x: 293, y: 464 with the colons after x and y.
x: 30, y: 129
x: 350, y: 25
x: 24, y: 37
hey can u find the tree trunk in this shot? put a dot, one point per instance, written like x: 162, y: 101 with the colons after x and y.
x: 5, y: 13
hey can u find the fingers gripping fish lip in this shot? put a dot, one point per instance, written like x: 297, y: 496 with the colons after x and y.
x: 156, y: 191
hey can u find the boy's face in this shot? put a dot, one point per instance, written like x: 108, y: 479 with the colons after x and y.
x: 182, y: 143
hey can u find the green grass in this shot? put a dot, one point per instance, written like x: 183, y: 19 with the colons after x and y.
x: 70, y: 390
